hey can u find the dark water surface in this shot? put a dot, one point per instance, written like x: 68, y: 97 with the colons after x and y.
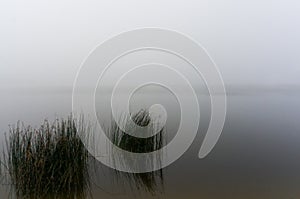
x: 257, y: 156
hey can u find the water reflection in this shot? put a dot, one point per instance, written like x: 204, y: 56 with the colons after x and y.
x: 151, y: 182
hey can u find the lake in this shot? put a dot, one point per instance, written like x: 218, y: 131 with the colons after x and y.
x: 257, y: 155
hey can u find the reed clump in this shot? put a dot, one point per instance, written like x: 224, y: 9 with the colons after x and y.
x: 151, y: 182
x: 47, y: 162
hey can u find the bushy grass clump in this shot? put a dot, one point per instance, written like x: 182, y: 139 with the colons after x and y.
x: 48, y: 162
x: 151, y: 182
x: 52, y: 162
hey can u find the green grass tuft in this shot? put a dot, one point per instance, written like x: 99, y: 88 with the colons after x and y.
x: 48, y: 162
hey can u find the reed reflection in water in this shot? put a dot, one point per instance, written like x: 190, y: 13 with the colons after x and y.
x: 151, y: 182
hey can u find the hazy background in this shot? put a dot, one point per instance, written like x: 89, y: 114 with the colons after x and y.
x: 255, y: 44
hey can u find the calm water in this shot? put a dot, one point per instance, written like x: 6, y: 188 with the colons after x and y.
x: 257, y: 156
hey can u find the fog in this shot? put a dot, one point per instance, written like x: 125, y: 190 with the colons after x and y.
x: 43, y: 43
x: 255, y: 45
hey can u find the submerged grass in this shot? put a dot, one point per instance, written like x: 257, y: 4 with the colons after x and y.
x: 52, y: 162
x: 48, y: 162
x: 151, y: 182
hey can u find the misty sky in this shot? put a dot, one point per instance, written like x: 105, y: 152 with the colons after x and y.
x: 253, y: 42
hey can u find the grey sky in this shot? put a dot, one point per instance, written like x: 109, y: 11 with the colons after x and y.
x: 253, y: 42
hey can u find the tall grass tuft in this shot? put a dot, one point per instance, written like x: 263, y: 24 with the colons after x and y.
x: 48, y: 162
x: 151, y: 182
